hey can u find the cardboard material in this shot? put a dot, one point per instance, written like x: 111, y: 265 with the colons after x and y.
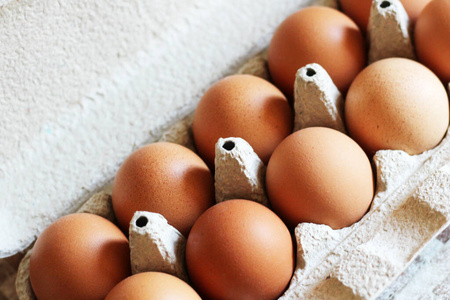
x: 410, y: 208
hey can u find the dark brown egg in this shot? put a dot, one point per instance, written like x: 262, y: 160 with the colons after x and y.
x: 242, y: 106
x: 79, y: 256
x: 316, y: 35
x: 239, y: 249
x: 164, y: 178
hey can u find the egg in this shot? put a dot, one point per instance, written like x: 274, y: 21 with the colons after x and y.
x: 164, y: 178
x: 239, y: 249
x: 79, y: 256
x: 432, y: 38
x: 359, y: 10
x: 397, y: 104
x: 152, y: 286
x: 319, y: 175
x: 242, y: 106
x: 316, y: 35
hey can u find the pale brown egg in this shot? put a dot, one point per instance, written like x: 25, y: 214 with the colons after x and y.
x: 359, y: 10
x: 239, y: 249
x: 397, y: 104
x: 79, y: 256
x: 316, y: 35
x: 432, y: 38
x: 319, y: 175
x: 242, y: 106
x: 152, y: 286
x: 164, y: 178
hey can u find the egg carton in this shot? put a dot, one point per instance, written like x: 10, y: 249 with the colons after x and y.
x: 411, y: 205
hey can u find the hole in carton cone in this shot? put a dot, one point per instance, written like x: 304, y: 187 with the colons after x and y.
x: 229, y: 145
x: 141, y: 221
x: 385, y: 4
x: 310, y: 72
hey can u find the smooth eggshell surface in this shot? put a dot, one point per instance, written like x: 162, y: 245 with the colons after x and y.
x: 319, y: 175
x: 359, y: 10
x: 152, y: 286
x: 432, y: 38
x: 239, y: 249
x: 397, y: 104
x: 316, y: 35
x: 79, y: 256
x: 242, y: 106
x: 164, y: 178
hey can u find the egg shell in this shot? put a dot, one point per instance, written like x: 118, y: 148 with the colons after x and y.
x: 152, y: 286
x: 79, y: 256
x: 242, y: 106
x: 359, y: 10
x: 319, y: 35
x: 319, y: 175
x: 432, y: 36
x: 239, y: 249
x: 397, y: 104
x: 164, y: 178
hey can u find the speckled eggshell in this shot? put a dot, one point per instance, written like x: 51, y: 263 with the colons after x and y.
x: 397, y: 104
x: 79, y: 256
x: 239, y: 249
x: 316, y: 35
x: 152, y: 286
x: 319, y: 175
x: 359, y: 10
x: 164, y: 178
x: 242, y: 106
x: 432, y: 38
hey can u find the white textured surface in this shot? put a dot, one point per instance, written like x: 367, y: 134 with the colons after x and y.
x: 388, y: 31
x: 156, y: 246
x: 239, y: 172
x: 430, y: 279
x: 317, y: 100
x: 83, y: 83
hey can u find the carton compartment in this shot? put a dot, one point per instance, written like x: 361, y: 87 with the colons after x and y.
x: 410, y: 208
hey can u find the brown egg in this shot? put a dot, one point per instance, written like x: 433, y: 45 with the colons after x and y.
x: 359, y: 10
x: 79, y: 256
x: 152, y: 286
x: 164, y: 178
x: 397, y: 104
x: 242, y: 106
x: 239, y: 249
x: 432, y: 38
x: 319, y: 175
x: 316, y: 35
